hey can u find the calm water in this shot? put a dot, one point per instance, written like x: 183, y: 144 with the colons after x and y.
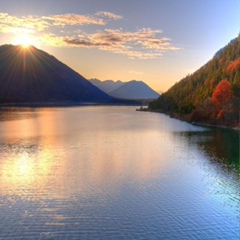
x: 114, y: 173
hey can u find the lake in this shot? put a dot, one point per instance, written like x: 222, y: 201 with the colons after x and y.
x: 110, y: 172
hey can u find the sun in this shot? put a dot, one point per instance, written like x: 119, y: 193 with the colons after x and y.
x: 24, y: 40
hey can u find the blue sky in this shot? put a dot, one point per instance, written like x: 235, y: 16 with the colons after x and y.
x: 157, y: 41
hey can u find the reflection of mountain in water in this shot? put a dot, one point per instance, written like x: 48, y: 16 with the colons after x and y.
x: 12, y: 113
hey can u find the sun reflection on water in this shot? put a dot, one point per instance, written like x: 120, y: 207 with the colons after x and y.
x: 24, y: 173
x: 60, y: 172
x: 26, y: 160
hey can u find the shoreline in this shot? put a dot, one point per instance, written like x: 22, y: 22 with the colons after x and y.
x: 65, y: 104
x: 185, y: 120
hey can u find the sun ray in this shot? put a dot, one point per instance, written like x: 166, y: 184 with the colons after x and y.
x: 25, y: 40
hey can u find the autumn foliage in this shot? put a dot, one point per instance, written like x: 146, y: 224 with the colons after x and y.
x: 220, y: 114
x: 233, y: 66
x: 223, y: 93
x: 204, y: 97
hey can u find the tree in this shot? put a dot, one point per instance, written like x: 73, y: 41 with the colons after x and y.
x: 223, y: 93
x: 236, y: 84
x: 233, y: 65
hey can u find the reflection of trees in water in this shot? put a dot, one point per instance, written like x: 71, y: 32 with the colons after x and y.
x: 222, y: 165
x: 221, y: 145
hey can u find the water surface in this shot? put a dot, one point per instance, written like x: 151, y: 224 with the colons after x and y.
x: 113, y: 173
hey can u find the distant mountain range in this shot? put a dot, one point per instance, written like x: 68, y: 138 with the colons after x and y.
x: 106, y: 86
x: 29, y: 75
x: 211, y: 95
x: 132, y: 90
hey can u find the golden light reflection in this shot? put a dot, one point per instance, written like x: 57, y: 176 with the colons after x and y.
x: 25, y: 169
x: 18, y: 172
x: 25, y: 173
x: 47, y: 164
x: 28, y: 161
x: 108, y: 163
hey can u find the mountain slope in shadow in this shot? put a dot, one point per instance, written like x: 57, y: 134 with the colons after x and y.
x: 32, y: 75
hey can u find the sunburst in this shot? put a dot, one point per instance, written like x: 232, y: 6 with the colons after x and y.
x: 24, y: 40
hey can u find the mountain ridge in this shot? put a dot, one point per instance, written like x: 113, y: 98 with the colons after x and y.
x: 134, y: 90
x: 194, y: 97
x: 131, y: 90
x: 107, y: 85
x: 32, y: 75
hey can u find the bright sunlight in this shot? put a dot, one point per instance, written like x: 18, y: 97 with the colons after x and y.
x: 24, y: 40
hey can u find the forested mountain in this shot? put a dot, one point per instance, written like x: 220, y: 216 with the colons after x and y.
x: 29, y: 75
x: 211, y: 95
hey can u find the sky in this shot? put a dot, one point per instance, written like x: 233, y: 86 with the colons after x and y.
x: 156, y: 41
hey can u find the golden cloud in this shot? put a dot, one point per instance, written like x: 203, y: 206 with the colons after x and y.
x: 132, y: 44
x: 109, y: 15
x: 74, y: 20
x: 64, y: 31
x: 10, y: 23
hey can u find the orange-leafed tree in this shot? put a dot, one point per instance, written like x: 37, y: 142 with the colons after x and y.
x: 223, y: 93
x: 233, y: 65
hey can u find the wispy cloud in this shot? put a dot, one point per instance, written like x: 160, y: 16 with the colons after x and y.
x: 53, y: 40
x: 133, y: 44
x: 65, y: 31
x: 10, y: 23
x: 109, y: 15
x: 74, y: 20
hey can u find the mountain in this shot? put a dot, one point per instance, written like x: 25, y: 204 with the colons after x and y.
x: 32, y: 75
x: 134, y: 90
x: 211, y: 95
x: 107, y: 85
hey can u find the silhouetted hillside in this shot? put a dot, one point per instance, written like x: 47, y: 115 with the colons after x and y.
x: 32, y: 75
x: 211, y: 95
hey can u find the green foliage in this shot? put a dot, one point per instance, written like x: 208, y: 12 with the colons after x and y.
x: 192, y: 91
